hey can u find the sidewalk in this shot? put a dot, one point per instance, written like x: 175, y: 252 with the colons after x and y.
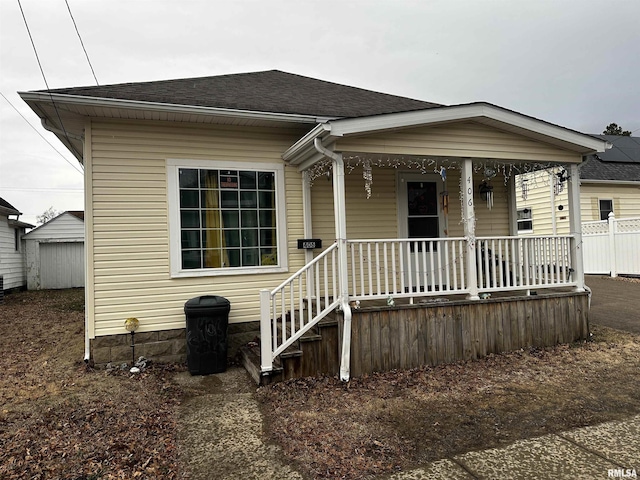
x: 221, y: 437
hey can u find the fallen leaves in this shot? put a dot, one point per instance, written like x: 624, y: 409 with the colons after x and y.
x: 60, y: 419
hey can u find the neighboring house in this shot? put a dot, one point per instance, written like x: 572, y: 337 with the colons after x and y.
x: 610, y: 182
x: 12, y: 267
x: 55, y: 253
x: 222, y: 185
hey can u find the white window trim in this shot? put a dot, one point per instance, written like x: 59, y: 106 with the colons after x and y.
x: 173, y: 196
x: 519, y: 221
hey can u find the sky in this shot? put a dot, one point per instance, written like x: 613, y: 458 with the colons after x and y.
x: 575, y: 63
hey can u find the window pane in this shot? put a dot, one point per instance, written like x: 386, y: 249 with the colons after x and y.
x: 209, y: 199
x: 248, y: 200
x: 422, y: 198
x: 267, y: 218
x: 248, y: 180
x: 209, y: 179
x: 212, y: 258
x: 267, y: 200
x: 250, y: 238
x: 524, y: 214
x: 267, y: 238
x: 266, y: 181
x: 230, y: 219
x: 229, y: 199
x: 250, y: 257
x: 525, y: 225
x: 211, y: 239
x: 189, y: 219
x: 190, y: 239
x: 189, y: 199
x: 188, y: 178
x: 228, y: 179
x: 268, y: 256
x: 191, y: 259
x: 423, y: 227
x: 232, y: 238
x: 233, y: 257
x: 249, y: 218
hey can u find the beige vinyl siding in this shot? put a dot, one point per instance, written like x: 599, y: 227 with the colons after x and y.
x: 130, y: 224
x: 538, y: 200
x: 626, y: 200
x: 464, y: 139
x: 377, y: 217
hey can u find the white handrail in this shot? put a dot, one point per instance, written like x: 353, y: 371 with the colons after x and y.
x: 282, y: 317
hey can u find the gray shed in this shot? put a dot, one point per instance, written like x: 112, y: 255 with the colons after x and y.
x: 55, y: 253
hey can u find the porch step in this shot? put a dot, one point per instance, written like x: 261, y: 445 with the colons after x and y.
x: 315, y: 353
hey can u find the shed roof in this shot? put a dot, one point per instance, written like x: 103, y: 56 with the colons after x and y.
x: 620, y: 163
x: 268, y: 91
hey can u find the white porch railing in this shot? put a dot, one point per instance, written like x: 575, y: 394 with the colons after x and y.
x: 406, y: 267
x: 296, y: 305
x: 378, y: 269
x: 517, y: 263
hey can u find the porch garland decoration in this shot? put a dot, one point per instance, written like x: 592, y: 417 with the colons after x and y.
x: 489, y: 168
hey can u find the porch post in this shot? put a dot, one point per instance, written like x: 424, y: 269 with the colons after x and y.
x: 469, y: 220
x: 308, y: 228
x: 575, y: 226
x: 513, y: 206
x: 339, y: 208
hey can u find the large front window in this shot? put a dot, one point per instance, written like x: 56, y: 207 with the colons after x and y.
x: 227, y: 219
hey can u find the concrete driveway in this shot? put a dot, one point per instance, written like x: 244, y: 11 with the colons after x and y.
x: 615, y: 302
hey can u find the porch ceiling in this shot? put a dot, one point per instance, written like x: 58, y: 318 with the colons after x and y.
x: 304, y: 155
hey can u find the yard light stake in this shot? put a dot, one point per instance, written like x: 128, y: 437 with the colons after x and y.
x: 131, y: 325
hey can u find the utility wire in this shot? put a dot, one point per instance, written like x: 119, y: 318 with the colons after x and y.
x: 82, y: 43
x: 43, y: 75
x: 42, y: 136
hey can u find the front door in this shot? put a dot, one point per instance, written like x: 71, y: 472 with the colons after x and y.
x: 419, y: 217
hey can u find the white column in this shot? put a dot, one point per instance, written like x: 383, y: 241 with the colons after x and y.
x: 575, y: 226
x: 469, y: 220
x: 308, y: 228
x: 339, y: 209
x: 552, y: 195
x: 513, y: 206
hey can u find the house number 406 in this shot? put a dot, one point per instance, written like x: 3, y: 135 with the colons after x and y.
x: 470, y: 191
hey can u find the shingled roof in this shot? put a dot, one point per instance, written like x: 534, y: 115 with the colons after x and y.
x: 269, y: 91
x: 620, y: 163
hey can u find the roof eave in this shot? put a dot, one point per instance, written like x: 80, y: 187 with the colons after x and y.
x: 40, y: 97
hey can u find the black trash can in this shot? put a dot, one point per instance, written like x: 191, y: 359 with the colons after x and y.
x: 207, y: 322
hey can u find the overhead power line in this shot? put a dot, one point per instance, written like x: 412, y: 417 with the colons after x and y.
x: 42, y: 136
x: 43, y: 75
x: 81, y: 42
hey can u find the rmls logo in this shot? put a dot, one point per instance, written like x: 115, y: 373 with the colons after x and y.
x: 623, y: 473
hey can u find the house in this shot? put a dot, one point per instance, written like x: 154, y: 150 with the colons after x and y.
x: 12, y: 268
x: 609, y: 206
x: 55, y: 253
x: 301, y: 200
x: 610, y: 182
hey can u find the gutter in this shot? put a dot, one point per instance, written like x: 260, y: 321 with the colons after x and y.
x: 166, y: 107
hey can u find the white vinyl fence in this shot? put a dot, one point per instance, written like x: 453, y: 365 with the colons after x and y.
x: 612, y: 247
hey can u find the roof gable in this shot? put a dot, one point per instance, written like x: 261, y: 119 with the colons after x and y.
x: 269, y: 91
x: 7, y: 208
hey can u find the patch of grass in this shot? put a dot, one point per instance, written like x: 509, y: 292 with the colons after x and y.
x: 398, y: 420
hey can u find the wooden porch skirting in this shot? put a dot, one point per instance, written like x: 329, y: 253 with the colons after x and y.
x: 408, y: 336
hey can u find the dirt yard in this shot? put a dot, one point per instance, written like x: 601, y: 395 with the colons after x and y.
x: 398, y: 420
x: 62, y: 420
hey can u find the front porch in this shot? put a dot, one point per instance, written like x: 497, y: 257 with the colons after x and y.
x: 429, y: 267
